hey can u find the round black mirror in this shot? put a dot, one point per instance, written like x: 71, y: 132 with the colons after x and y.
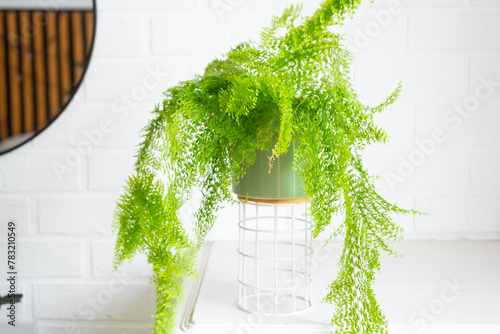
x: 45, y: 48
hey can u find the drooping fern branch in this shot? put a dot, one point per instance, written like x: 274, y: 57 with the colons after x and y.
x: 294, y: 85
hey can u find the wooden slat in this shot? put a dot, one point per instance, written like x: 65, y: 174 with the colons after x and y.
x: 39, y: 56
x: 70, y: 45
x: 78, y: 46
x: 89, y: 25
x: 20, y: 73
x: 42, y: 58
x: 46, y: 67
x: 53, y: 73
x: 34, y: 96
x: 64, y: 54
x: 28, y: 102
x: 15, y: 75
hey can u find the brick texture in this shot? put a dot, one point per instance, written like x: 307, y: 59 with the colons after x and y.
x: 62, y: 187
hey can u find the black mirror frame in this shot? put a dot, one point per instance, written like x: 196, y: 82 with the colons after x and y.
x: 88, y: 57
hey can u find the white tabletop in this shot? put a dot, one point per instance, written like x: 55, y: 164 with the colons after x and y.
x: 437, y: 287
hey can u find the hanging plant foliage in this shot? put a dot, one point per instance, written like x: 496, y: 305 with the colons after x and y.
x: 294, y: 85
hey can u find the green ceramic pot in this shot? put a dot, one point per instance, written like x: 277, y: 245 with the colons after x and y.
x: 280, y: 185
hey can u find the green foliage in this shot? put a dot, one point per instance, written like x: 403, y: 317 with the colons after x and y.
x: 293, y: 85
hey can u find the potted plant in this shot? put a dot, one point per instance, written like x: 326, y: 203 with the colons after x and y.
x: 292, y: 88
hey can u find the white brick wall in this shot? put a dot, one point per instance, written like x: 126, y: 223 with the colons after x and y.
x: 109, y: 169
x: 454, y: 32
x: 18, y: 208
x: 76, y: 215
x: 62, y: 187
x: 107, y: 45
x: 211, y: 39
x: 476, y: 214
x: 485, y: 170
x: 102, y: 262
x: 33, y: 255
x: 28, y: 170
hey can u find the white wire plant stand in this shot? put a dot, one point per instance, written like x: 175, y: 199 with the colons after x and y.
x: 274, y: 258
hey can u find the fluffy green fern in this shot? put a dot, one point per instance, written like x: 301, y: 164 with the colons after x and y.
x: 294, y: 85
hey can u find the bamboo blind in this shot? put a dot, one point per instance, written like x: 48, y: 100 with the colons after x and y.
x: 42, y: 58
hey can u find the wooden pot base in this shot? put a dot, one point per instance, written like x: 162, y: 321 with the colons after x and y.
x: 274, y: 201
